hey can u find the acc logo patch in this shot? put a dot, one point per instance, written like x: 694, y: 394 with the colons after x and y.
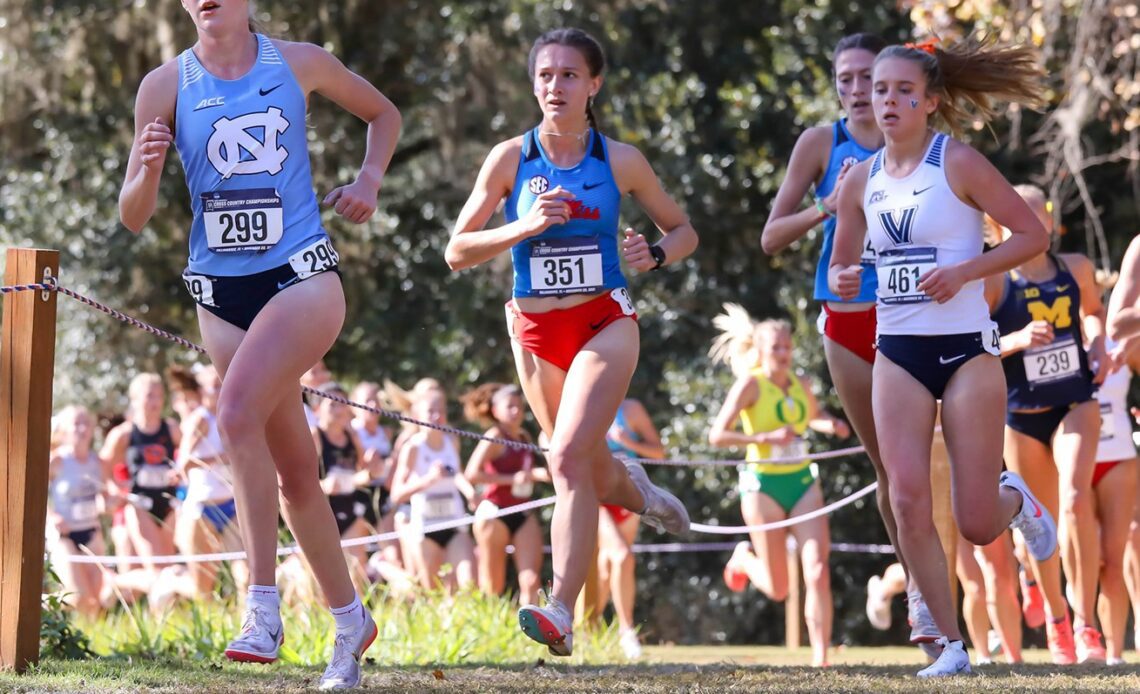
x: 850, y: 161
x: 538, y: 185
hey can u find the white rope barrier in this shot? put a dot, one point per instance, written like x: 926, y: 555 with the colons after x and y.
x: 294, y: 549
x: 52, y: 284
x: 788, y: 522
x: 468, y: 520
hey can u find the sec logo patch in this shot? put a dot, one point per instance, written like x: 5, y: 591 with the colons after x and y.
x: 538, y: 185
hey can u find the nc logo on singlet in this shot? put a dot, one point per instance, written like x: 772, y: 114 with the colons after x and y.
x: 233, y: 149
x: 898, y: 228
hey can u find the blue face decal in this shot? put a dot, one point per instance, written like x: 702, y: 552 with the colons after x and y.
x: 914, y: 103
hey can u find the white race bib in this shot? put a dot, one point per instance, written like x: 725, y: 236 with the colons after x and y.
x: 242, y: 220
x: 440, y: 507
x: 200, y: 287
x: 1107, y: 422
x: 796, y: 449
x: 84, y: 510
x: 1054, y: 362
x: 314, y: 259
x: 342, y: 480
x: 899, y: 271
x: 565, y: 266
x: 153, y: 477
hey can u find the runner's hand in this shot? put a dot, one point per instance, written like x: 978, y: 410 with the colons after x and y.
x: 154, y: 142
x: 831, y: 202
x: 942, y: 284
x: 549, y: 208
x: 1036, y: 334
x: 635, y: 250
x: 780, y: 437
x: 356, y: 201
x: 1101, y: 361
x: 847, y: 282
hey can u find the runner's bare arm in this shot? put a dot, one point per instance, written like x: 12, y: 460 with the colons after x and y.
x: 154, y: 117
x: 467, y: 249
x: 786, y: 223
x: 321, y: 72
x: 635, y: 176
x: 741, y: 396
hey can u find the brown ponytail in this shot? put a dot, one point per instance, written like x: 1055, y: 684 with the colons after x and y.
x: 477, y: 403
x: 970, y: 75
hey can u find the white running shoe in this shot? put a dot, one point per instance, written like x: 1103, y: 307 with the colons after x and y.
x: 922, y: 626
x: 552, y: 626
x: 993, y: 642
x: 630, y: 644
x: 953, y: 661
x: 878, y: 604
x: 261, y: 636
x: 1033, y: 521
x: 662, y: 510
x: 1112, y: 662
x: 343, y: 671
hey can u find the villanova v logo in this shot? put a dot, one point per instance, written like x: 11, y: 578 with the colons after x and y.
x: 232, y: 148
x: 899, y: 230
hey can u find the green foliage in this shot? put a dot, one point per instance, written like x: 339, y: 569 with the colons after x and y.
x: 59, y: 638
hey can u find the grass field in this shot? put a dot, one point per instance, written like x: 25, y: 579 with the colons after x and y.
x: 665, y: 669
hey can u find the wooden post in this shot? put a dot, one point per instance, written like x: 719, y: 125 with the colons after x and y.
x: 943, y: 507
x: 27, y: 358
x: 794, y: 605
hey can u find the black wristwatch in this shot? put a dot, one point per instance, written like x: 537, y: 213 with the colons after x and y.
x: 658, y: 254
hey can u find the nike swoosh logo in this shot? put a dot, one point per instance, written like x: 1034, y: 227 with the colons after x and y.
x: 588, y: 186
x: 265, y: 92
x: 944, y: 361
x: 282, y: 285
x: 1063, y: 287
x: 595, y: 326
x: 276, y: 635
x: 920, y: 192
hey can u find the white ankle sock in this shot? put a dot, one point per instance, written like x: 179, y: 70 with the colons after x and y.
x: 350, y: 616
x: 265, y: 596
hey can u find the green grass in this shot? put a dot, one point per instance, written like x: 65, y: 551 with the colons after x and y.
x: 669, y: 669
x: 471, y: 643
x: 433, y: 629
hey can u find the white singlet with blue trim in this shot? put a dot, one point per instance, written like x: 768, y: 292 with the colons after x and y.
x: 916, y: 224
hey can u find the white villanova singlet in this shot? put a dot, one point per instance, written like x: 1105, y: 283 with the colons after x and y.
x: 916, y: 224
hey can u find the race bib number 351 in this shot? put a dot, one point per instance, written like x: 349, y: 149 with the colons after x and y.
x: 899, y: 271
x: 242, y: 220
x: 565, y: 266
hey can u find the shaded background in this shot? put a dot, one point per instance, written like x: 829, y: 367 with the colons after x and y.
x: 713, y: 92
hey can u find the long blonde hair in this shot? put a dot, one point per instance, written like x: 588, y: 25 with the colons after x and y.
x: 402, y: 400
x: 740, y: 335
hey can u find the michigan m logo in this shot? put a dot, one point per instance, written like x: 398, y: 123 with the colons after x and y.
x: 1057, y: 314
